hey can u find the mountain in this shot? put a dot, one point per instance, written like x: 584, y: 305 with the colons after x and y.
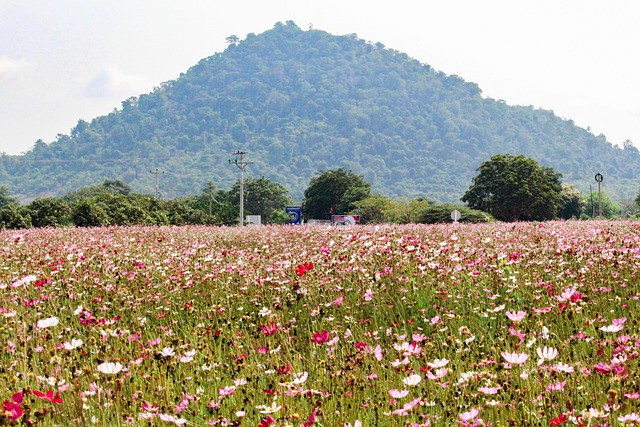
x: 300, y: 102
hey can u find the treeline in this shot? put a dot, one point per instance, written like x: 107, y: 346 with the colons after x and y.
x: 113, y: 203
x: 337, y: 191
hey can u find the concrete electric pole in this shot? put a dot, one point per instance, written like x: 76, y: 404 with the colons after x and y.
x: 241, y: 164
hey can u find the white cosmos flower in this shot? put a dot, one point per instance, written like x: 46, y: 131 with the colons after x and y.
x: 167, y: 352
x: 398, y: 394
x: 611, y: 328
x: 109, y: 368
x: 269, y: 409
x: 46, y: 323
x: 438, y: 363
x: 300, y: 378
x: 546, y: 353
x: 412, y: 380
x: 72, y: 345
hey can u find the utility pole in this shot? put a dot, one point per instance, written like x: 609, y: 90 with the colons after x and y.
x: 599, y: 179
x: 241, y: 164
x: 156, y: 173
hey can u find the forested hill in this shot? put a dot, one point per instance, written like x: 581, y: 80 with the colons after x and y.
x: 299, y: 102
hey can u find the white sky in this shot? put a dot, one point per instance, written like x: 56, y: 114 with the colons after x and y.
x: 65, y: 60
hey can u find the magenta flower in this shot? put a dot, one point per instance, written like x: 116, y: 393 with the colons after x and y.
x: 320, y: 336
x: 269, y: 328
x: 13, y: 408
x: 49, y: 396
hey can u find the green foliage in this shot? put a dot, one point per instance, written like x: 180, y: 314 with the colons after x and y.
x: 406, y: 211
x: 14, y: 217
x: 333, y: 191
x: 87, y: 213
x: 592, y: 206
x: 441, y: 213
x: 572, y: 204
x: 279, y: 217
x: 262, y: 197
x: 515, y: 188
x: 49, y: 212
x: 373, y: 209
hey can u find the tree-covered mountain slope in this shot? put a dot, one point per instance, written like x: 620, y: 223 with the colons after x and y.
x: 299, y: 102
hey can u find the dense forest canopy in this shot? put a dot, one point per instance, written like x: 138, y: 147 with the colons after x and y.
x: 300, y: 102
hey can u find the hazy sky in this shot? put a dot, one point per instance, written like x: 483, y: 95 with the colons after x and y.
x: 65, y: 60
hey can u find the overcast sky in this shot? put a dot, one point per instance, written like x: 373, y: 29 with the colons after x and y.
x: 65, y: 60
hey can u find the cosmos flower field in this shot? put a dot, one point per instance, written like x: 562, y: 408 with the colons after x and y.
x: 495, y: 324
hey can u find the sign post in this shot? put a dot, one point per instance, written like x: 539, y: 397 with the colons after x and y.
x: 455, y: 216
x: 599, y: 179
x: 295, y: 212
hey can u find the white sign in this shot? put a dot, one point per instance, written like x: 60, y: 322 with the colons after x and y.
x: 254, y: 220
x: 455, y: 215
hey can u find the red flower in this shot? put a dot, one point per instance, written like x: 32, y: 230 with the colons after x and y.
x: 560, y: 419
x: 49, y: 396
x: 303, y: 268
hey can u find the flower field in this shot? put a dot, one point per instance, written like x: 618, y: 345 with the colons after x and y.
x: 498, y: 324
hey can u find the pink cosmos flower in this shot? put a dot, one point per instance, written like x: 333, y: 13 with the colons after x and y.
x: 437, y: 374
x: 559, y: 386
x: 398, y: 394
x: 470, y: 418
x: 404, y: 411
x: 612, y: 328
x: 269, y: 328
x: 488, y: 390
x: 631, y: 418
x: 516, y: 316
x: 377, y: 352
x: 515, y: 358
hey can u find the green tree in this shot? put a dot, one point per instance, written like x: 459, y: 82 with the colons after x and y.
x: 333, y: 191
x: 14, y: 217
x: 261, y: 197
x: 442, y: 214
x: 373, y: 209
x: 572, y: 203
x: 49, y: 212
x: 89, y: 213
x: 515, y: 188
x: 609, y: 208
x: 406, y: 211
